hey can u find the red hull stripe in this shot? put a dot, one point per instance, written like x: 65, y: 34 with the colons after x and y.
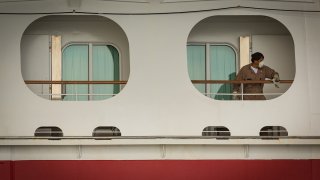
x: 160, y: 169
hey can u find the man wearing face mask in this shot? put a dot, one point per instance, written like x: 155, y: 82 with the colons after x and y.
x: 256, y: 70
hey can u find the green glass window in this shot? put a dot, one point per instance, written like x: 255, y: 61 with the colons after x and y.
x: 212, y: 62
x: 90, y: 62
x: 105, y: 66
x: 197, y: 64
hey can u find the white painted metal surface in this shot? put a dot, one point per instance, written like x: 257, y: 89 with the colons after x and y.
x: 159, y: 99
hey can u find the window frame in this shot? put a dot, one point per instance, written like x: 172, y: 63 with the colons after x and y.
x: 207, y: 59
x: 90, y: 61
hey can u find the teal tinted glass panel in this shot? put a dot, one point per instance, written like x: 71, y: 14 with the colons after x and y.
x: 105, y: 67
x: 75, y: 68
x: 196, y: 55
x: 222, y: 67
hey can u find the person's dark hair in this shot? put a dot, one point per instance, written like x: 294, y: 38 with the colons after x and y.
x: 256, y: 56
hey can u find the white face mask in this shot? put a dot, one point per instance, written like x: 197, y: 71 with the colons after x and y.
x: 261, y: 63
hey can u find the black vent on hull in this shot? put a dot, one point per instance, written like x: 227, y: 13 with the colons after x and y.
x: 216, y: 131
x: 273, y: 131
x: 48, y: 131
x: 106, y: 131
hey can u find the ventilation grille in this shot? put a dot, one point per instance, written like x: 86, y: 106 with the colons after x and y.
x: 216, y: 131
x: 106, y: 131
x: 48, y: 131
x: 271, y: 131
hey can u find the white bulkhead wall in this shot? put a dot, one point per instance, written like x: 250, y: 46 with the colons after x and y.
x: 313, y: 64
x: 159, y: 98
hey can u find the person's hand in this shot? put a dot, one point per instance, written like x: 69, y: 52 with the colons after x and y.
x: 276, y: 80
x: 235, y: 95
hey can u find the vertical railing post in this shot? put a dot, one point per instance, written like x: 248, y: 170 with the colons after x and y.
x: 76, y: 90
x: 242, y: 91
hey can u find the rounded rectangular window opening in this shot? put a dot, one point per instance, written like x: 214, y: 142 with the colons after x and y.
x: 217, y: 52
x: 56, y: 65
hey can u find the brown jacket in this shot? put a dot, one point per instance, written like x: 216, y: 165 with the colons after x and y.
x: 246, y: 73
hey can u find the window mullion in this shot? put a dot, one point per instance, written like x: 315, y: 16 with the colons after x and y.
x: 90, y: 70
x: 207, y: 70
